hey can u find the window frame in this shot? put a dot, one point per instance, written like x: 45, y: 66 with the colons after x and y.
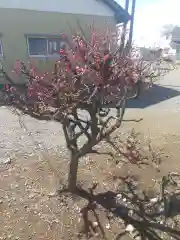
x: 47, y: 38
x: 28, y: 49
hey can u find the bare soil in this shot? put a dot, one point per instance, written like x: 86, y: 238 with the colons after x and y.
x: 31, y: 208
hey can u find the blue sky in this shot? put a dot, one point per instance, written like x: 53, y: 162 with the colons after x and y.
x: 138, y: 2
x: 150, y: 16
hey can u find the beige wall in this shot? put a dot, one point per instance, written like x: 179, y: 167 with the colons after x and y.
x: 15, y: 24
x: 87, y: 7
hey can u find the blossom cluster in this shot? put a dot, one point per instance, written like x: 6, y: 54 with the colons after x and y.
x: 86, y: 71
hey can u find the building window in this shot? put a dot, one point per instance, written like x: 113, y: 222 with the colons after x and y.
x: 37, y: 46
x: 44, y: 46
x: 1, y: 48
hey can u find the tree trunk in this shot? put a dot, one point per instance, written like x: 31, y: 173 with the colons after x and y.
x: 73, y: 169
x: 71, y: 141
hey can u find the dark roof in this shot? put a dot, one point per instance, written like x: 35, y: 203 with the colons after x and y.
x: 120, y: 14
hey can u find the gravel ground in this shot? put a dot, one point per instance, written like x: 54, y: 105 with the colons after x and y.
x: 15, y: 140
x: 23, y: 136
x: 29, y: 206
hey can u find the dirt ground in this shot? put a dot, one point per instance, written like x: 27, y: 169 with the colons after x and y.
x: 30, y: 206
x: 31, y: 209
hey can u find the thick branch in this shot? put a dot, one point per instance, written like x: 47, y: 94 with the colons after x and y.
x: 89, y: 145
x: 84, y: 130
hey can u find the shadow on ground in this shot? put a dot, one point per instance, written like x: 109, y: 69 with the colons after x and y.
x: 171, y: 86
x: 146, y: 218
x: 153, y: 96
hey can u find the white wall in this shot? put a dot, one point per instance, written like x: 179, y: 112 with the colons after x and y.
x: 88, y: 7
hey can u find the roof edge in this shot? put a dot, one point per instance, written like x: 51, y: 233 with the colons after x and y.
x: 120, y: 14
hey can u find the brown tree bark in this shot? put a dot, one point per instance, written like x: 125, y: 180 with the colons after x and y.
x: 71, y: 141
x: 73, y: 170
